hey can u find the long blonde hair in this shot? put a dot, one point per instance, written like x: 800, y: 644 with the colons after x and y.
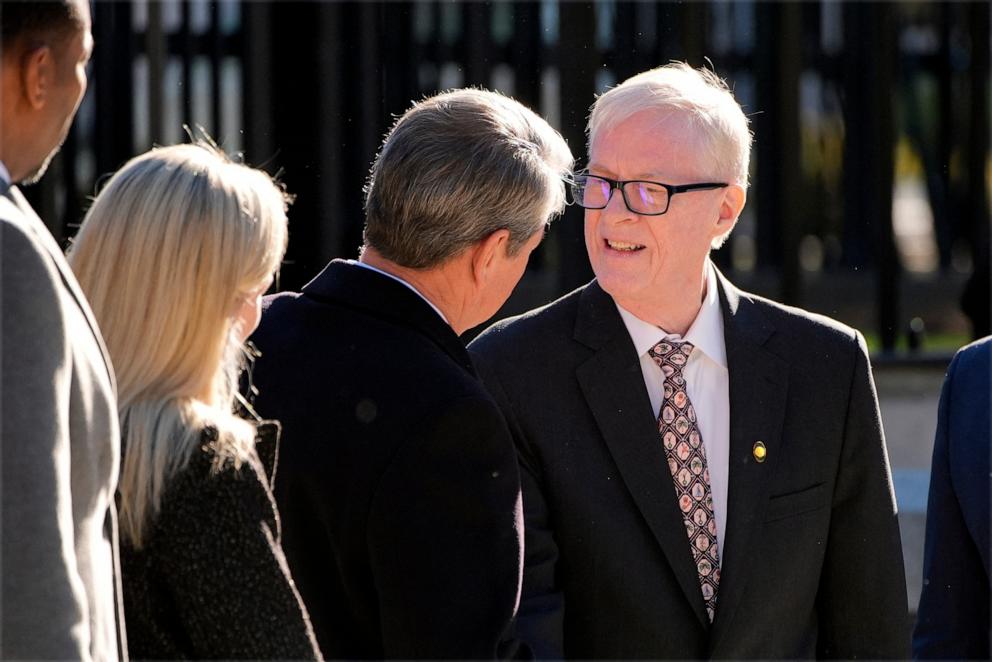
x: 172, y: 242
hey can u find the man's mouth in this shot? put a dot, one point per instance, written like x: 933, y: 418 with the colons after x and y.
x: 623, y: 246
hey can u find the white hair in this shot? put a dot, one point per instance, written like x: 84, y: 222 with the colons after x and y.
x: 697, y: 96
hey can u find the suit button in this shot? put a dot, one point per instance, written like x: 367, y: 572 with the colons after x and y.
x: 759, y: 451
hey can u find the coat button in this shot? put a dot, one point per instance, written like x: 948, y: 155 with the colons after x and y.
x: 759, y: 451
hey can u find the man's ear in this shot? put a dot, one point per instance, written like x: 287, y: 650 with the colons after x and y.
x: 734, y: 198
x: 38, y: 75
x: 486, y: 251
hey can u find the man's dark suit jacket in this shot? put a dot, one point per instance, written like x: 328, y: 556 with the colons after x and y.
x: 397, y: 482
x: 811, y: 562
x: 953, y: 618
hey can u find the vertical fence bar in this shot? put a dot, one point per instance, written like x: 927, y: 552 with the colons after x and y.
x: 333, y: 162
x: 578, y: 63
x: 296, y: 123
x: 780, y: 219
x: 880, y: 119
x: 693, y: 19
x: 976, y: 303
x: 945, y: 211
x: 186, y: 36
x: 526, y: 53
x: 156, y: 52
x: 857, y: 239
x: 476, y: 39
x: 624, y: 40
x: 256, y: 76
x: 868, y: 156
x: 216, y: 45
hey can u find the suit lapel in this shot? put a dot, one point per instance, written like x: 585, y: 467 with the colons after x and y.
x: 36, y: 226
x: 613, y: 386
x: 758, y: 389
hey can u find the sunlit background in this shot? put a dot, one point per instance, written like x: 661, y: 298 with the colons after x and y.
x: 870, y: 171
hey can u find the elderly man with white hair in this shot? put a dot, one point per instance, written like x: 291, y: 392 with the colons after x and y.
x: 704, y: 471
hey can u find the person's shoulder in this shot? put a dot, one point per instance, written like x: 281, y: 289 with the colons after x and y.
x: 972, y: 364
x: 9, y: 212
x: 276, y: 306
x: 215, y: 467
x: 21, y: 247
x: 32, y: 286
x: 279, y: 300
x: 978, y: 352
x: 282, y: 329
x: 554, y: 319
x: 803, y: 329
x: 451, y: 384
x: 214, y: 490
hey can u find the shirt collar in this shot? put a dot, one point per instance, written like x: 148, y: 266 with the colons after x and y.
x: 4, y: 175
x: 400, y: 280
x: 705, y: 334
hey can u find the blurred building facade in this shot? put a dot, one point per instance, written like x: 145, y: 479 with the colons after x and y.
x: 870, y: 174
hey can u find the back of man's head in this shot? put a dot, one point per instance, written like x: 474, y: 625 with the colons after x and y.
x: 29, y: 24
x: 457, y: 167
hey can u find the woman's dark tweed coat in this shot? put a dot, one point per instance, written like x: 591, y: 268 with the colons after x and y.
x: 211, y: 580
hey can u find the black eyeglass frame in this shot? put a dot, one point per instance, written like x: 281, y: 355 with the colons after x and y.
x: 619, y: 184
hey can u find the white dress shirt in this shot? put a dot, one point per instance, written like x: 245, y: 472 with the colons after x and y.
x: 707, y: 383
x: 400, y: 280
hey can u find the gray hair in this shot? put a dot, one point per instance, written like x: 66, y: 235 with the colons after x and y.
x: 700, y: 97
x: 457, y: 167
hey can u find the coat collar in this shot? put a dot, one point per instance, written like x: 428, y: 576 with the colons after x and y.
x: 36, y: 228
x: 267, y: 447
x: 613, y: 386
x: 378, y: 295
x: 705, y: 333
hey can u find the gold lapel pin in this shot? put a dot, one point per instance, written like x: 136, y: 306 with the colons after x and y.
x: 759, y: 451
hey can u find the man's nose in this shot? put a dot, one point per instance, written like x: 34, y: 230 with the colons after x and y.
x: 616, y: 208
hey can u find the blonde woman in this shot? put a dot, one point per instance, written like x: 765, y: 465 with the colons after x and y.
x: 174, y: 256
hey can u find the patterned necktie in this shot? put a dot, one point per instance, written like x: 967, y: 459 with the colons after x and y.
x: 687, y: 462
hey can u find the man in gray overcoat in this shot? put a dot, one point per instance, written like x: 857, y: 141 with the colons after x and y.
x: 59, y: 444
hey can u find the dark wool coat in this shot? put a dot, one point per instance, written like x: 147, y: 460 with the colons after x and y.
x: 398, y: 480
x: 953, y: 618
x: 210, y: 580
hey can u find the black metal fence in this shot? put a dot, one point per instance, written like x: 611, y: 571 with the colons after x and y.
x: 847, y: 101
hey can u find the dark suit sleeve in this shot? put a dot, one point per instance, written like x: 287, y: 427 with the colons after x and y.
x: 444, y: 537
x: 44, y: 595
x: 229, y: 580
x: 953, y: 617
x: 862, y: 602
x: 540, y: 618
